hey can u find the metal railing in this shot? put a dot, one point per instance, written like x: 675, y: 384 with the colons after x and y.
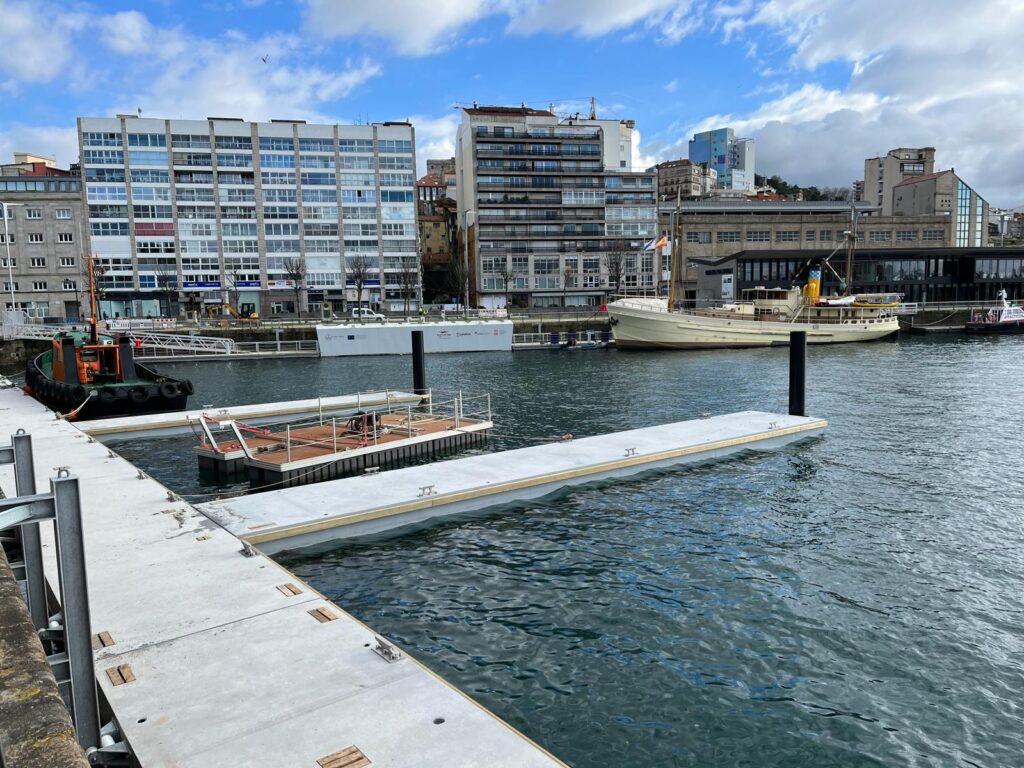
x: 68, y: 631
x: 239, y: 348
x: 560, y: 338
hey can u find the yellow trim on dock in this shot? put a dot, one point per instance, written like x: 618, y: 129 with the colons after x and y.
x: 339, y: 521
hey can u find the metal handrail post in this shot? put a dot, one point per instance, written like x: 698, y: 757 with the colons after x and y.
x: 288, y: 440
x: 74, y: 601
x: 31, y: 546
x: 334, y: 433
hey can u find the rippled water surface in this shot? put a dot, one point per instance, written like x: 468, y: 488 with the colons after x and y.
x: 852, y: 600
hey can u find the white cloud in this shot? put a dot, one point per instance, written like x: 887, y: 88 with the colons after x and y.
x: 414, y: 27
x: 671, y: 86
x: 127, y: 32
x: 36, y: 40
x: 951, y: 84
x: 58, y: 141
x: 435, y: 138
x: 419, y: 28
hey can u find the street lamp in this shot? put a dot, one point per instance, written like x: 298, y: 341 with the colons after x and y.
x: 7, y: 239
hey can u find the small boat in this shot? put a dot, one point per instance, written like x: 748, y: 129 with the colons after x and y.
x: 89, y: 375
x: 837, y: 301
x: 1005, y: 318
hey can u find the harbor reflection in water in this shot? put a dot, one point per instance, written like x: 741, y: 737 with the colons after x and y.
x: 854, y: 600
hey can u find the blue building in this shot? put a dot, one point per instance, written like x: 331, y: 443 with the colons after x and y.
x: 732, y: 158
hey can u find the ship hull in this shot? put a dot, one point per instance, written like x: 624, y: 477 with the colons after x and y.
x: 995, y: 328
x: 639, y: 328
x: 150, y: 393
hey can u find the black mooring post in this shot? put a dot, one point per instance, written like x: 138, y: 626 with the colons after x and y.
x: 797, y: 373
x: 419, y: 372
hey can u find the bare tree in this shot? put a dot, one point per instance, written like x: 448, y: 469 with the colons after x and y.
x: 358, y: 271
x: 295, y: 270
x: 232, y: 280
x: 408, y: 281
x: 458, y: 274
x: 615, y: 263
x: 568, y: 280
x: 508, y: 276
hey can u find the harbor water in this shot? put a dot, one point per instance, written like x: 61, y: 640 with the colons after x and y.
x: 852, y: 600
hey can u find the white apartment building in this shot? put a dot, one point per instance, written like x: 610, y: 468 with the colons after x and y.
x: 550, y: 210
x: 187, y: 213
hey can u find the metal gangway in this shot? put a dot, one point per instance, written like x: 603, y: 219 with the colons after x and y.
x: 18, y: 325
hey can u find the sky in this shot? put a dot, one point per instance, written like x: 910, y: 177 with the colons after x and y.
x: 818, y: 84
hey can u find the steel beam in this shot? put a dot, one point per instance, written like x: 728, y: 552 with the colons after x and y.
x: 31, y: 546
x: 74, y: 600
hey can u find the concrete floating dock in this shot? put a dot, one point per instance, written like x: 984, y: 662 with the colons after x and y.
x: 183, y: 422
x: 212, y: 658
x: 299, y: 517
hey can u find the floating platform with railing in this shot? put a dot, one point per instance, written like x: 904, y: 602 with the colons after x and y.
x: 327, y: 448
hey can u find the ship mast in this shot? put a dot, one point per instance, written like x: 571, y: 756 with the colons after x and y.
x: 851, y: 241
x: 93, y: 334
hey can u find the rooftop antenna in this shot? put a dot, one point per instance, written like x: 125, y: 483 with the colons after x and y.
x: 593, y: 108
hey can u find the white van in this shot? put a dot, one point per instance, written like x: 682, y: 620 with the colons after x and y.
x: 365, y: 313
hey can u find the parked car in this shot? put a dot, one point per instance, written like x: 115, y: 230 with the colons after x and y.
x: 365, y: 313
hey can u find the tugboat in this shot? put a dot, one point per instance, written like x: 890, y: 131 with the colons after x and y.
x: 1006, y: 318
x: 89, y: 375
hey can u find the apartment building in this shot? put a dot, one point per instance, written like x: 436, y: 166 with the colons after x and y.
x: 883, y: 173
x: 947, y: 195
x: 273, y: 217
x: 41, y: 267
x: 551, y: 210
x: 731, y: 158
x: 684, y: 179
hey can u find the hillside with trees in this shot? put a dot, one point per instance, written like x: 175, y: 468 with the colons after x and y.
x: 783, y: 187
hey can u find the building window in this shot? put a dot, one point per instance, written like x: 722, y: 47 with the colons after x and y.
x: 3, y: 262
x: 787, y: 235
x: 728, y: 237
x: 35, y: 237
x: 825, y: 235
x: 758, y: 236
x: 880, y: 236
x: 33, y: 213
x: 37, y: 261
x: 698, y: 237
x: 8, y: 288
x: 809, y: 234
x: 65, y: 237
x: 906, y: 235
x: 6, y: 238
x: 67, y: 261
x: 931, y: 234
x: 63, y: 213
x: 69, y: 285
x: 38, y: 285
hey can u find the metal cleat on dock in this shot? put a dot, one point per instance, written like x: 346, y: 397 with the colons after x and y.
x: 386, y: 650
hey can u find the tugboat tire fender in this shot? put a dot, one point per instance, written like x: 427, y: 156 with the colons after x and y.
x: 186, y: 386
x: 108, y: 395
x: 138, y: 394
x: 168, y: 390
x: 78, y: 393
